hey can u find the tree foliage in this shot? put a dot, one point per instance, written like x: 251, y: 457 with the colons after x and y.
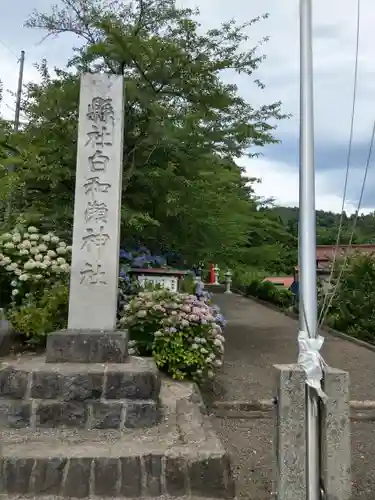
x: 353, y: 306
x: 327, y: 224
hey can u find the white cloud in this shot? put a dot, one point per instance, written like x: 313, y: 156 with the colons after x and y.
x: 280, y: 181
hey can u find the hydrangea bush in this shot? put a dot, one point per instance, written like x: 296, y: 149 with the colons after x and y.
x: 30, y: 260
x: 183, y: 333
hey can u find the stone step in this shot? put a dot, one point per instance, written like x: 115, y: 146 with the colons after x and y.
x: 164, y: 497
x: 32, y: 378
x: 103, y: 414
x: 181, y: 456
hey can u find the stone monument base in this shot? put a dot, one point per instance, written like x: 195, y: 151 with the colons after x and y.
x: 87, y: 346
x: 88, y: 420
x: 179, y: 457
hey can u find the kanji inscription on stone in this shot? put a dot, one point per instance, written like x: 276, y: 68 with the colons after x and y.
x: 96, y: 211
x: 97, y: 206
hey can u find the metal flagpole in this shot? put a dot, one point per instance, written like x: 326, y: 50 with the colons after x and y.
x: 307, y: 239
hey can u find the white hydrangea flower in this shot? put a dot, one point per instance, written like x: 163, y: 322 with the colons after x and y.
x: 62, y: 244
x: 54, y: 262
x: 60, y: 260
x: 43, y: 265
x: 34, y: 237
x: 55, y: 239
x: 9, y: 245
x: 38, y: 276
x: 69, y: 248
x: 6, y: 236
x: 24, y: 277
x: 61, y: 250
x: 42, y: 247
x: 16, y: 238
x: 17, y: 272
x: 23, y: 251
x: 26, y: 244
x: 13, y: 283
x: 51, y: 253
x: 33, y: 243
x: 15, y: 292
x: 29, y: 266
x: 34, y: 250
x: 8, y: 268
x: 32, y: 229
x: 13, y: 266
x: 2, y: 263
x: 65, y: 267
x: 38, y: 257
x: 46, y: 237
x: 25, y: 236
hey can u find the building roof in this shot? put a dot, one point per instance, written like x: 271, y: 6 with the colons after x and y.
x: 326, y: 252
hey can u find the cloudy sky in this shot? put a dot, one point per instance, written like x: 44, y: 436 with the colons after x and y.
x: 334, y: 56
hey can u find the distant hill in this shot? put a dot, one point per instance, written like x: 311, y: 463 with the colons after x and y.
x: 327, y: 225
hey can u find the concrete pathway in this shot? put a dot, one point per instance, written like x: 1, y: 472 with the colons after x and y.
x: 256, y: 338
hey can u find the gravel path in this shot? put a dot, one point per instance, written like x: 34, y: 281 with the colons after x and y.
x: 257, y: 338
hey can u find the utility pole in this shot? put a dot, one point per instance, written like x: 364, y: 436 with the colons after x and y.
x: 19, y: 92
x: 16, y: 121
x: 307, y: 241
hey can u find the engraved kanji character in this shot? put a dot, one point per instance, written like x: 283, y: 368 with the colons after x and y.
x: 92, y: 274
x: 99, y: 136
x: 97, y: 211
x: 101, y: 110
x: 93, y: 237
x: 98, y: 162
x: 94, y: 185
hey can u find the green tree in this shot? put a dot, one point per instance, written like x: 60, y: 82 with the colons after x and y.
x: 184, y: 126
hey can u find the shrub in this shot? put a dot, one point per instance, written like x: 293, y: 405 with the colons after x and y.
x: 30, y: 262
x: 269, y: 292
x: 243, y: 275
x: 183, y: 334
x: 353, y: 306
x: 188, y: 284
x: 40, y: 315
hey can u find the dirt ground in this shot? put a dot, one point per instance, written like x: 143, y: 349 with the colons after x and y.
x: 256, y: 338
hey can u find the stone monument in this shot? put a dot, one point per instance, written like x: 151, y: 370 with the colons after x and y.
x: 91, y: 334
x: 97, y: 208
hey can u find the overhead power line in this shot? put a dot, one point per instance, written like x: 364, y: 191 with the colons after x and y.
x: 342, y: 269
x: 9, y: 49
x: 348, y: 160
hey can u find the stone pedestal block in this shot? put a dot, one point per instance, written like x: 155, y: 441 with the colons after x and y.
x: 7, y: 335
x: 290, y: 434
x: 87, y: 346
x: 35, y: 394
x: 335, y: 446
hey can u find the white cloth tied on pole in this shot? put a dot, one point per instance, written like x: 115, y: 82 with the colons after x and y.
x: 312, y: 362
